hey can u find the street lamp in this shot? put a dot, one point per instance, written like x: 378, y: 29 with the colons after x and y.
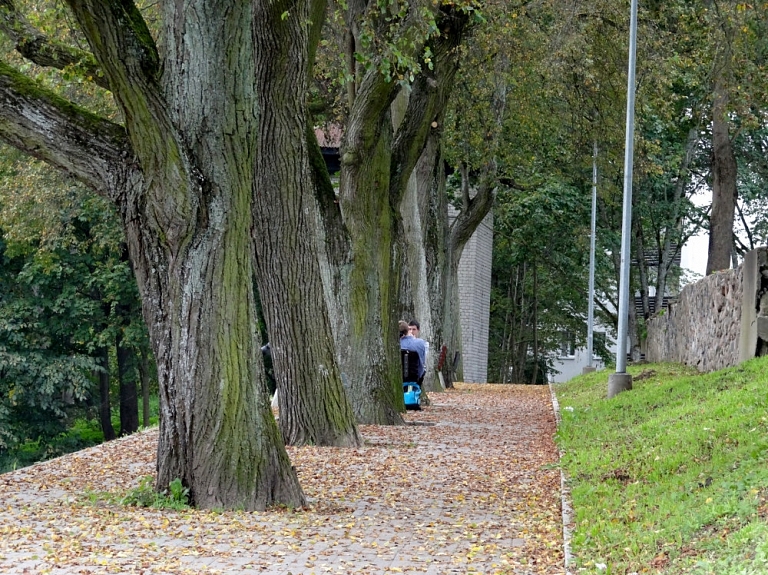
x: 622, y: 381
x: 591, y: 308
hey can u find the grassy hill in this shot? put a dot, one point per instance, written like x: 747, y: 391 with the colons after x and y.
x: 672, y: 476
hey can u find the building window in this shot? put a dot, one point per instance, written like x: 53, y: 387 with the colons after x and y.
x: 567, y: 345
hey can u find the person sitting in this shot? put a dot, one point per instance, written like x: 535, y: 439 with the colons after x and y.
x: 415, y: 330
x: 414, y: 345
x: 411, y: 356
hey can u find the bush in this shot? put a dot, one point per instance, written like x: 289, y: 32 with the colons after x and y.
x: 175, y: 497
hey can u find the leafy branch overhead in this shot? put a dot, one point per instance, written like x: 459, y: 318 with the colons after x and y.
x: 43, y: 50
x: 394, y: 37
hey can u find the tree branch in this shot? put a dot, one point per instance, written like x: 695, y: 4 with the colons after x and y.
x: 373, y: 98
x: 44, y: 51
x: 468, y: 220
x: 746, y: 227
x: 428, y: 99
x: 44, y: 125
x: 514, y: 184
x: 124, y: 48
x: 477, y: 208
x: 608, y: 311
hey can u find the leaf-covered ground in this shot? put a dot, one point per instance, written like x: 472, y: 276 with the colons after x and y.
x: 468, y: 487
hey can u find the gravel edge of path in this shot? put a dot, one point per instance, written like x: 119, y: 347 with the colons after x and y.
x: 565, y: 493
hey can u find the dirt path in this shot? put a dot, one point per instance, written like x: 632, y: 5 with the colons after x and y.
x: 468, y: 487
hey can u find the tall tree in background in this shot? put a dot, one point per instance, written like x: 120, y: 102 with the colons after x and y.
x: 739, y: 93
x: 532, y: 302
x: 314, y: 408
x: 752, y: 157
x: 389, y: 49
x: 724, y: 192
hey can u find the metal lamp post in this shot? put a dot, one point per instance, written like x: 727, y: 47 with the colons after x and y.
x: 591, y: 304
x: 622, y: 381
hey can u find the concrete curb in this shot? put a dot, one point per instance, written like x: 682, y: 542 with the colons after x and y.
x: 565, y: 494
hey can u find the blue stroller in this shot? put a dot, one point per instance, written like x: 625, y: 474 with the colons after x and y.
x: 411, y: 387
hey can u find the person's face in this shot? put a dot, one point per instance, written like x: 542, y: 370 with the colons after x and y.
x: 413, y: 330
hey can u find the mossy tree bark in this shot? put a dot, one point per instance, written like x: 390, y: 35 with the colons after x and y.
x: 180, y: 172
x: 378, y: 159
x: 313, y: 406
x: 370, y: 362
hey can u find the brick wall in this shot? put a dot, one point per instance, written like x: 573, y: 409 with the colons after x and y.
x: 475, y: 301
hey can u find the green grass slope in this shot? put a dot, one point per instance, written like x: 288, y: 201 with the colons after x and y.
x: 672, y: 476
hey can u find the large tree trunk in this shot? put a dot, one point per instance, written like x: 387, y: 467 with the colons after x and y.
x: 356, y: 261
x: 217, y: 433
x: 371, y: 362
x: 181, y: 173
x: 314, y: 409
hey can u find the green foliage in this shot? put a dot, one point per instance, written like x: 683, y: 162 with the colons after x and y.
x: 67, y: 290
x: 505, y: 65
x: 175, y: 497
x: 531, y: 301
x: 81, y: 434
x: 752, y: 159
x: 394, y: 36
x: 672, y: 473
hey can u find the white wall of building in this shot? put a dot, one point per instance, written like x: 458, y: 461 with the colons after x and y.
x: 475, y: 301
x: 569, y: 367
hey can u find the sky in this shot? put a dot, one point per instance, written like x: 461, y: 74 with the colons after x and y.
x: 694, y: 255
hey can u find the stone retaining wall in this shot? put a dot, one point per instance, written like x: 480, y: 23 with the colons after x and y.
x: 717, y: 322
x: 702, y: 327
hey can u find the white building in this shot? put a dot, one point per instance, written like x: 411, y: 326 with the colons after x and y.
x: 571, y: 360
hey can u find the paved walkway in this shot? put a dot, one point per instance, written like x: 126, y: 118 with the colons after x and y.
x: 468, y: 487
